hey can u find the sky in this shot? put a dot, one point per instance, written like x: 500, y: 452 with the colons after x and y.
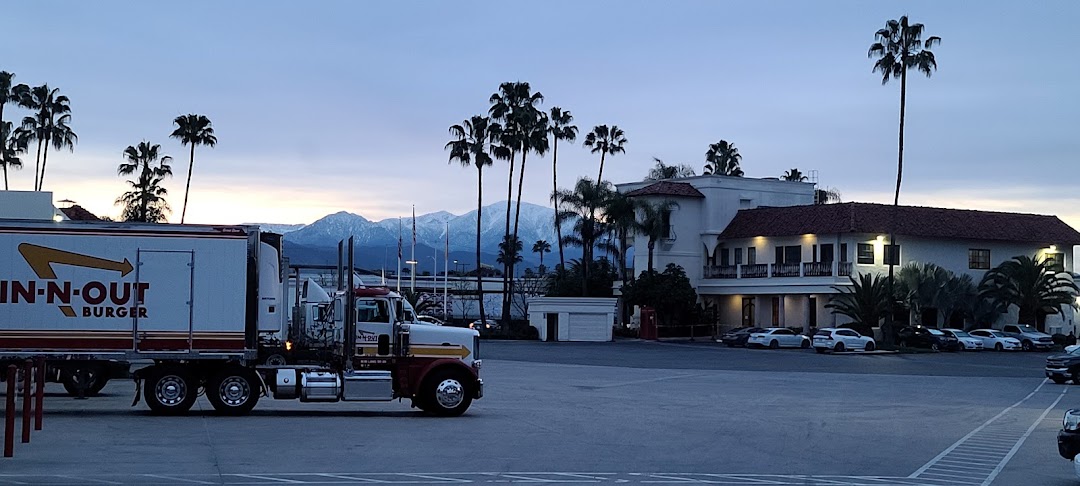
x: 326, y: 106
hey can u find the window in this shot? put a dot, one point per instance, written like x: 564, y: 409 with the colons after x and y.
x: 813, y: 311
x: 826, y: 253
x: 738, y: 256
x: 666, y: 218
x: 813, y: 254
x: 978, y: 259
x: 725, y: 257
x: 783, y: 332
x: 843, y: 252
x: 746, y: 203
x: 372, y: 311
x: 779, y: 258
x: 1056, y: 262
x: 866, y: 254
x: 751, y: 256
x: 892, y: 255
x: 793, y: 254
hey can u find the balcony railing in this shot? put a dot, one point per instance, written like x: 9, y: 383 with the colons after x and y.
x: 768, y: 270
x: 785, y: 269
x: 817, y: 269
x: 760, y: 270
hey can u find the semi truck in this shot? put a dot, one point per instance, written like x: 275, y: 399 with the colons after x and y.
x: 205, y: 309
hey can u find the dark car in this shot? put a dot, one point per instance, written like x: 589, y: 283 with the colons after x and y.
x: 1064, y: 367
x: 738, y: 336
x: 1068, y: 438
x: 924, y: 337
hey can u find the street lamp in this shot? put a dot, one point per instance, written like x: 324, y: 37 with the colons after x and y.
x: 412, y: 275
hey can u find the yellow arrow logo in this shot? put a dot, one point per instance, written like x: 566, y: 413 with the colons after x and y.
x: 41, y: 260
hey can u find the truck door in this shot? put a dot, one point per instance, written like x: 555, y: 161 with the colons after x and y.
x: 372, y: 320
x: 163, y: 321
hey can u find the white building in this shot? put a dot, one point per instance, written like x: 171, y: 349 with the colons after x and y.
x: 762, y: 254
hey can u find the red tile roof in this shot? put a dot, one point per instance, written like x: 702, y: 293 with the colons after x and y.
x: 665, y: 188
x: 78, y: 213
x: 910, y: 221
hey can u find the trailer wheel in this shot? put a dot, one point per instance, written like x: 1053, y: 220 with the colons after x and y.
x: 233, y: 391
x: 83, y: 381
x: 170, y: 391
x: 446, y: 393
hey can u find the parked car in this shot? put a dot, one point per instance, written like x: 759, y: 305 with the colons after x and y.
x: 834, y: 339
x: 1029, y: 337
x: 967, y: 341
x: 484, y: 328
x: 996, y: 340
x: 1068, y: 438
x: 738, y: 336
x: 435, y: 321
x: 925, y: 337
x: 778, y: 337
x: 1064, y: 367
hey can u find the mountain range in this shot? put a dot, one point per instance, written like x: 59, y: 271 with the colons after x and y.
x: 377, y: 241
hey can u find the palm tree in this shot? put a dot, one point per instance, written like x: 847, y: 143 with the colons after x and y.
x: 865, y: 302
x: 192, y: 130
x: 920, y: 287
x: 559, y: 124
x: 145, y: 201
x: 14, y: 94
x: 541, y: 247
x: 579, y: 205
x: 663, y: 171
x: 1030, y: 284
x: 900, y: 47
x: 474, y: 145
x: 14, y: 144
x: 653, y: 224
x: 606, y: 141
x: 48, y: 126
x: 509, y: 251
x: 794, y: 175
x: 722, y: 158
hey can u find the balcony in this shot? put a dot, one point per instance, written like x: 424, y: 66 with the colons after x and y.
x: 778, y: 270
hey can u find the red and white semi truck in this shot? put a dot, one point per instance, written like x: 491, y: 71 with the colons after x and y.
x: 195, y: 307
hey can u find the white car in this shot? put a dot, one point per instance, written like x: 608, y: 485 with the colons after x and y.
x: 833, y: 339
x: 434, y: 321
x: 967, y: 341
x: 778, y: 337
x: 996, y: 340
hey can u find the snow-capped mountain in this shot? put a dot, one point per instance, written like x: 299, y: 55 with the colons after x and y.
x: 536, y: 223
x: 277, y: 228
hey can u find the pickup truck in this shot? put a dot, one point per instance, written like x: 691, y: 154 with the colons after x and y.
x: 1064, y: 367
x: 1030, y: 338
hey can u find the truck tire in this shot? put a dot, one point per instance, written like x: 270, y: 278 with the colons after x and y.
x: 233, y: 391
x: 83, y: 381
x: 1027, y: 345
x: 170, y: 390
x: 446, y: 393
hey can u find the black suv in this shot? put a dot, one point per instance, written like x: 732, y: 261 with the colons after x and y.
x: 738, y: 336
x: 924, y: 337
x: 1064, y: 367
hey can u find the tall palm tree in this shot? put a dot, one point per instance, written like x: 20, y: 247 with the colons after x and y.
x: 579, y: 205
x: 900, y: 47
x: 14, y: 144
x: 723, y: 158
x: 561, y: 128
x: 145, y: 201
x: 474, y: 145
x: 663, y: 171
x: 49, y: 125
x: 1030, y: 284
x: 16, y: 95
x: 919, y: 287
x: 192, y: 130
x: 866, y: 301
x: 606, y: 141
x: 653, y: 224
x: 509, y: 251
x: 620, y: 216
x: 794, y: 175
x: 541, y: 247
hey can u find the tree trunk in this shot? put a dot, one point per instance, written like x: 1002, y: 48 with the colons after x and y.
x: 3, y: 145
x: 506, y: 233
x: 187, y: 187
x: 600, y: 176
x: 44, y: 160
x: 652, y: 244
x: 555, y: 200
x: 37, y: 164
x: 886, y: 331
x: 510, y: 265
x: 479, y: 268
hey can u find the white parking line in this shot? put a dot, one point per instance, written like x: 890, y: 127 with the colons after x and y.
x: 265, y: 478
x: 351, y: 478
x: 997, y: 470
x: 173, y: 478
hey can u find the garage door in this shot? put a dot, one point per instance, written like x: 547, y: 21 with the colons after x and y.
x: 589, y: 327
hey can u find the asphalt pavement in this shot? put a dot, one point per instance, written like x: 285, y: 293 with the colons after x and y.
x: 630, y: 412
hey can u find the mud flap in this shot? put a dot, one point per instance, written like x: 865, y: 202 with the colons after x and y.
x: 138, y: 392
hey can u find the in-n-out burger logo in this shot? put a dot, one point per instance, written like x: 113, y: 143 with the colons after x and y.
x: 94, y: 298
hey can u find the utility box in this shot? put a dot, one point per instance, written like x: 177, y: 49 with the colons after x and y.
x: 573, y: 318
x: 27, y: 205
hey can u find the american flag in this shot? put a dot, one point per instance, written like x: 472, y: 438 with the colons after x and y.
x: 399, y: 238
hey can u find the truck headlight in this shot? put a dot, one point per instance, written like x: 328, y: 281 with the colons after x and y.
x: 1071, y: 422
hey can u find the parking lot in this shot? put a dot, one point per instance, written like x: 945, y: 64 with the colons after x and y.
x: 630, y: 411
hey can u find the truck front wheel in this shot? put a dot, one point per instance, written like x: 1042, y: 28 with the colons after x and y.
x: 170, y: 391
x: 233, y: 391
x: 446, y: 393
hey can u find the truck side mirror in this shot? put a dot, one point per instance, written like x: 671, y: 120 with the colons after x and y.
x: 384, y: 344
x: 399, y: 310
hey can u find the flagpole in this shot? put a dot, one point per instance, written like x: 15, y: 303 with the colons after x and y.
x: 446, y: 274
x: 397, y: 272
x: 412, y: 253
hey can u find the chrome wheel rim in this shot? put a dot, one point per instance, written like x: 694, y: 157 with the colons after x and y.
x: 234, y: 391
x: 171, y: 390
x: 449, y: 393
x: 276, y: 360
